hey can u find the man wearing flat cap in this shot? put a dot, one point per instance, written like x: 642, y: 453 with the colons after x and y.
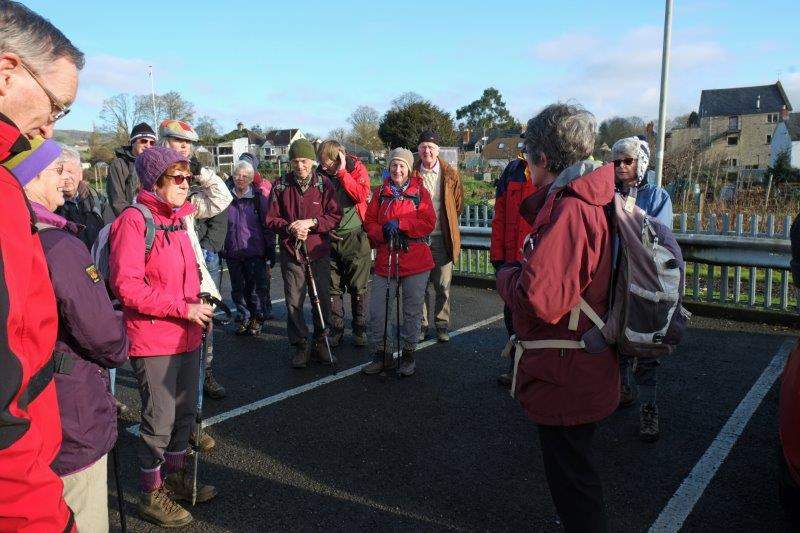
x: 443, y: 182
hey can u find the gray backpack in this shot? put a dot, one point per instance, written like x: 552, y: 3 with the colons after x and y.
x: 646, y: 316
x: 101, y: 247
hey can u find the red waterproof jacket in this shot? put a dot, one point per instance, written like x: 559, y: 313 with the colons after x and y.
x: 355, y: 181
x: 30, y: 427
x: 509, y: 228
x: 571, y: 257
x: 156, y: 292
x: 789, y: 414
x: 416, y: 217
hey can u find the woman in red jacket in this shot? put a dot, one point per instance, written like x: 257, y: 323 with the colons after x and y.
x: 400, y: 212
x: 563, y: 386
x: 164, y: 320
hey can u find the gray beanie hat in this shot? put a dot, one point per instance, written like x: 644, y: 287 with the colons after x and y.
x: 402, y: 154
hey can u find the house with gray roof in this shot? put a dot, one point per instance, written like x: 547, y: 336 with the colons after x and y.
x: 735, y: 126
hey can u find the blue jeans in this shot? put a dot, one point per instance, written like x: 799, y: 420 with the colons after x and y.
x: 250, y: 287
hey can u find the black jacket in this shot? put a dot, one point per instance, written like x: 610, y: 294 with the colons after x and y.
x: 795, y: 236
x: 211, y: 232
x: 122, y: 185
x: 88, y: 209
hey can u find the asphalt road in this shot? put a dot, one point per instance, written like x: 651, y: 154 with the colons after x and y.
x: 447, y: 449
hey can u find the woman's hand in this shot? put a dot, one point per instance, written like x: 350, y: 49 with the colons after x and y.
x: 200, y: 314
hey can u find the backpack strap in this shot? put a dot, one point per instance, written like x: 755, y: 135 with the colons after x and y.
x: 584, y: 306
x: 149, y: 226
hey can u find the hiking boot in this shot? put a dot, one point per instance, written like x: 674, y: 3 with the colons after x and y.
x: 627, y: 395
x: 160, y: 509
x: 360, y: 338
x: 320, y: 353
x: 301, y: 355
x: 242, y: 329
x: 407, y: 364
x: 648, y: 423
x: 423, y: 333
x: 442, y: 335
x: 379, y: 364
x: 336, y: 337
x: 206, y: 443
x: 121, y: 407
x: 504, y: 380
x: 211, y: 386
x: 179, y: 486
x: 254, y: 326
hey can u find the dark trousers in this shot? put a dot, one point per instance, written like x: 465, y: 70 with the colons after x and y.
x: 574, y: 484
x: 350, y: 264
x: 295, y: 289
x: 168, y: 390
x: 250, y: 287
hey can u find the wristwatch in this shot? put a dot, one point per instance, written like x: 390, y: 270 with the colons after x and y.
x: 315, y: 221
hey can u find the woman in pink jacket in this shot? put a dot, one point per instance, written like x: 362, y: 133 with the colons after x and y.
x: 164, y: 319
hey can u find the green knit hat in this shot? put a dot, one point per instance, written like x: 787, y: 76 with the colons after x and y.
x: 302, y: 148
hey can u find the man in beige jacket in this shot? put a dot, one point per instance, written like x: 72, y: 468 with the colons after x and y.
x: 443, y: 182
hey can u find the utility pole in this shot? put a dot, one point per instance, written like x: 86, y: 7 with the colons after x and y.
x: 153, y: 96
x: 662, y: 105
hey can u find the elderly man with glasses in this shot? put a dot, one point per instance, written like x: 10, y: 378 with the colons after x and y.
x: 38, y: 81
x: 123, y: 185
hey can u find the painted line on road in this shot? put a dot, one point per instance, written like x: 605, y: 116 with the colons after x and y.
x: 258, y: 404
x: 680, y: 506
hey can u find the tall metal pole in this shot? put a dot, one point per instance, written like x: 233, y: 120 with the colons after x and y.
x: 153, y: 96
x: 662, y: 105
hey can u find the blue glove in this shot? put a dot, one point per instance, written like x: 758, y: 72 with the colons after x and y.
x: 391, y: 229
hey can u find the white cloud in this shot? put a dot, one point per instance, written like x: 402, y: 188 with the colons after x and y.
x: 620, y: 75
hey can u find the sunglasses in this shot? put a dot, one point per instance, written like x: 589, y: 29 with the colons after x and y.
x: 57, y: 109
x: 151, y: 142
x: 180, y: 178
x: 628, y: 161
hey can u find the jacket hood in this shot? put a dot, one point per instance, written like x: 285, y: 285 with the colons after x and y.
x: 45, y: 216
x: 125, y: 153
x: 159, y: 206
x: 589, y: 180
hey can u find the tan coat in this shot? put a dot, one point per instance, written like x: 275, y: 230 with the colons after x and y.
x: 452, y: 195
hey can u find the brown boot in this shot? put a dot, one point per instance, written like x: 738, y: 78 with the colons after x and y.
x: 159, y: 508
x: 179, y: 486
x: 301, y: 355
x: 320, y: 353
x: 407, y: 364
x: 379, y: 364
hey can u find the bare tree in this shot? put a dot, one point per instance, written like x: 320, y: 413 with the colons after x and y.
x: 117, y: 117
x: 338, y: 134
x: 406, y: 99
x: 365, y: 121
x: 207, y: 128
x: 169, y: 105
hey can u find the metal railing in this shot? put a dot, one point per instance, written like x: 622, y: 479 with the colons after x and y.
x: 732, y: 261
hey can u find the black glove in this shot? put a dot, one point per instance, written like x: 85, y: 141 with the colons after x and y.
x: 195, y: 166
x: 402, y: 241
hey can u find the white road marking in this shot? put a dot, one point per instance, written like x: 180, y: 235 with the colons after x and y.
x: 258, y: 404
x: 680, y: 506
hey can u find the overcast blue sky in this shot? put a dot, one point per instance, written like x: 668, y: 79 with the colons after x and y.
x: 309, y: 64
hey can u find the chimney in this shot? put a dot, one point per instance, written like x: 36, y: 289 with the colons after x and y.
x: 240, y: 126
x: 758, y: 102
x: 784, y: 113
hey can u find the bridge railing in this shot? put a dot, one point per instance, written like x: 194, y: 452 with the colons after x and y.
x: 731, y: 261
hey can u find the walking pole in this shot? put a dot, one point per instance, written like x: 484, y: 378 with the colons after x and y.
x: 386, y: 356
x: 397, y: 303
x: 315, y: 302
x: 198, y: 417
x: 123, y: 523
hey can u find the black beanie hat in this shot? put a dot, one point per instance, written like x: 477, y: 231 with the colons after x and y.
x: 429, y: 136
x: 142, y: 130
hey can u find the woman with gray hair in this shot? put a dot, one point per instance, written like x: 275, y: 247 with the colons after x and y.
x: 566, y: 266
x: 631, y: 156
x: 246, y: 247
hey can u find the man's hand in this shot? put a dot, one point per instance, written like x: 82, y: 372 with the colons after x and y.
x: 300, y: 228
x: 200, y: 314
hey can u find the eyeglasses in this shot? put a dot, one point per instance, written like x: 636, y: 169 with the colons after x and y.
x: 180, y: 178
x: 57, y: 109
x: 628, y: 161
x: 151, y: 142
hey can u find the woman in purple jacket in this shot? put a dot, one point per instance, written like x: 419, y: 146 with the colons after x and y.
x: 91, y: 339
x: 246, y: 247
